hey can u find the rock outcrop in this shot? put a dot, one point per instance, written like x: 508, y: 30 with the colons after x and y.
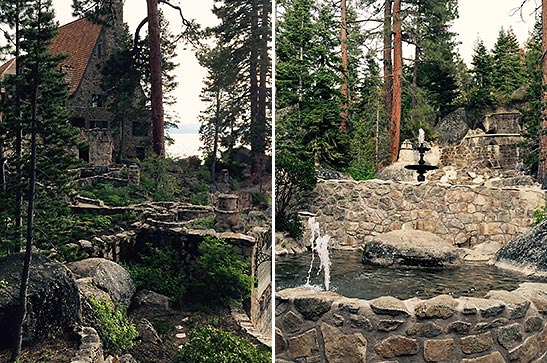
x: 106, y: 276
x: 53, y: 300
x: 411, y: 248
x: 526, y: 253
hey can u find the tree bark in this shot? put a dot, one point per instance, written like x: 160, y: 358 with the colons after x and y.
x: 414, y: 88
x: 18, y: 135
x: 388, y: 63
x: 156, y: 93
x: 542, y: 164
x: 397, y: 87
x: 256, y: 142
x: 23, y: 291
x: 345, y: 81
x: 215, y: 142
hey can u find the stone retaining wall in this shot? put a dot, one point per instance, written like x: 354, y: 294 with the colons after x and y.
x: 352, y: 212
x: 327, y: 327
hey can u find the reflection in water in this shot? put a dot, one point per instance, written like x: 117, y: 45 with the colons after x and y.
x: 349, y: 277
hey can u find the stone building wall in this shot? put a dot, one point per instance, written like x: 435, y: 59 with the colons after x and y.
x: 352, y: 212
x: 326, y: 327
x: 84, y: 106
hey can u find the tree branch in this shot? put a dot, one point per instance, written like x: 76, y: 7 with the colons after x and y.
x: 137, y: 36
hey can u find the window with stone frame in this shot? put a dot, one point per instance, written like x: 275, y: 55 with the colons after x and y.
x: 98, y: 124
x: 78, y: 122
x: 97, y: 100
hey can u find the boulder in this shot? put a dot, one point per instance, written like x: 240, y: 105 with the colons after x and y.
x: 452, y: 128
x: 107, y: 276
x: 53, y: 300
x: 526, y: 253
x: 411, y: 248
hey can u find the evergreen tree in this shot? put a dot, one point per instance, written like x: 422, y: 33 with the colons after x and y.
x: 245, y: 30
x: 218, y: 120
x: 481, y: 95
x: 309, y: 80
x: 509, y: 72
x: 44, y: 121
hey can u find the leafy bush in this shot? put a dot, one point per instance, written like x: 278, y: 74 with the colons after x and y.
x: 211, y: 345
x: 112, y: 195
x: 159, y: 178
x: 162, y: 272
x: 116, y: 330
x: 202, y: 223
x: 222, y: 276
x: 362, y: 170
x: 539, y: 215
x: 293, y: 175
x: 261, y: 199
x: 290, y: 224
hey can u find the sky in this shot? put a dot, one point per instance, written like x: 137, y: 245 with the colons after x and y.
x: 485, y: 18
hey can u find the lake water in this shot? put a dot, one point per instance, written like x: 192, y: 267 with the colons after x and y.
x: 186, y: 144
x: 351, y: 278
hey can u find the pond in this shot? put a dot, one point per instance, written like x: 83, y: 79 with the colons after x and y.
x: 351, y: 278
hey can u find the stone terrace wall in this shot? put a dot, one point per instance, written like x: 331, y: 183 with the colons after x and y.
x: 326, y: 327
x: 352, y: 212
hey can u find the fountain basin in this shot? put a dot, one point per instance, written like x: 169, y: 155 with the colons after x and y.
x: 505, y: 326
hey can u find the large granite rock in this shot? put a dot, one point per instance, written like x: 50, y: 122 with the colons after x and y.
x: 107, y: 276
x: 53, y: 300
x: 453, y: 127
x: 527, y: 253
x: 411, y: 248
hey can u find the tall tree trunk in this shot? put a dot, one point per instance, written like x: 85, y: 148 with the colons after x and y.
x: 18, y: 135
x: 414, y: 88
x: 215, y: 142
x: 542, y: 165
x: 345, y: 81
x: 397, y: 77
x: 256, y: 142
x: 388, y: 63
x: 23, y: 291
x: 264, y: 63
x: 155, y: 78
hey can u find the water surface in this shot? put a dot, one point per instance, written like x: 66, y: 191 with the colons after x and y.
x: 351, y: 278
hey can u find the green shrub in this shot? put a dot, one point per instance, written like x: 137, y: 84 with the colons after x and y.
x: 290, y: 224
x: 111, y: 195
x: 362, y: 170
x: 202, y: 223
x: 293, y: 175
x: 211, y: 345
x: 116, y: 330
x: 159, y: 178
x: 539, y: 215
x: 162, y: 272
x: 261, y: 199
x: 222, y: 277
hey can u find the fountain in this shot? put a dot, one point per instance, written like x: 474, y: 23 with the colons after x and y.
x: 421, y: 167
x: 319, y: 244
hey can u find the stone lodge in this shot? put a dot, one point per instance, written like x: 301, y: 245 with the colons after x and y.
x: 87, y: 46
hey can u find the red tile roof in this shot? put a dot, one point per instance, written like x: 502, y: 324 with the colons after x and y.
x: 77, y: 40
x: 7, y: 68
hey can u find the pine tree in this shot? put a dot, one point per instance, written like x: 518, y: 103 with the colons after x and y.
x: 509, y: 72
x: 218, y: 123
x: 481, y: 96
x: 309, y: 85
x: 245, y: 30
x: 42, y: 94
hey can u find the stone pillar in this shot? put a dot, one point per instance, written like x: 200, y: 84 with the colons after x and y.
x: 133, y: 175
x: 227, y: 212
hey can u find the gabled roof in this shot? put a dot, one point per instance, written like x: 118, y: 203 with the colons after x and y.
x: 77, y: 40
x: 7, y: 68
